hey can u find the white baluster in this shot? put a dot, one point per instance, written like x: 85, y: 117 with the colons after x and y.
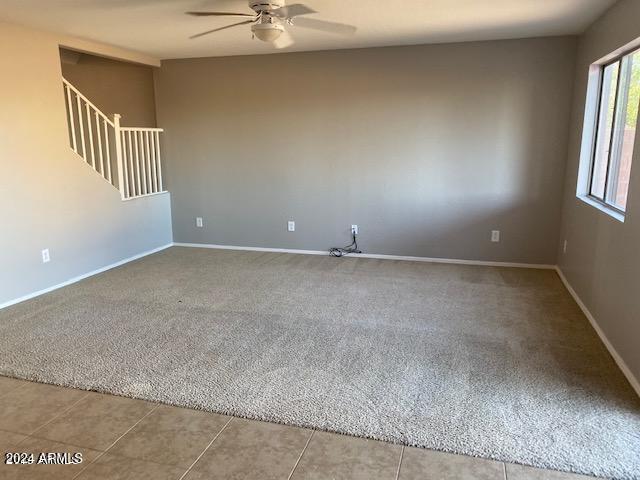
x: 108, y: 149
x: 144, y: 137
x: 93, y: 153
x: 157, y: 135
x: 97, y: 119
x: 152, y: 154
x: 143, y: 164
x: 81, y: 123
x: 116, y: 128
x: 136, y: 150
x: 71, y: 119
x: 125, y: 164
x: 132, y: 174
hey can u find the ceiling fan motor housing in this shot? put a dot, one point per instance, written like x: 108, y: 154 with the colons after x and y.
x: 264, y: 5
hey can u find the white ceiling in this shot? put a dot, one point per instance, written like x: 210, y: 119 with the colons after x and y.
x: 159, y: 27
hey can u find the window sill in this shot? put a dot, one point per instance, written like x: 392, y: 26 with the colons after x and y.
x: 602, y: 207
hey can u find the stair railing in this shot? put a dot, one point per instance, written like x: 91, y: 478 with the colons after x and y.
x: 141, y: 165
x: 134, y: 153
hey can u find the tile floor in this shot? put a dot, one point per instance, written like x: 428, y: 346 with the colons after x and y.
x: 122, y: 438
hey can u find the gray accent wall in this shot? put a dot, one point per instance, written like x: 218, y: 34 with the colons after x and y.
x: 115, y: 87
x: 49, y: 197
x: 426, y: 148
x: 602, y: 261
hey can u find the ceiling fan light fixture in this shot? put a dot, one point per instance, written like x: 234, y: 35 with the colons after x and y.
x: 269, y: 20
x: 267, y: 32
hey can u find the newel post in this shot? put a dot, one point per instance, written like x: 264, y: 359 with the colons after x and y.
x: 118, y: 135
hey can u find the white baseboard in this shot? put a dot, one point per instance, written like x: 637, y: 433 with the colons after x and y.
x: 82, y: 277
x: 263, y: 249
x: 371, y: 255
x: 616, y: 357
x: 250, y: 249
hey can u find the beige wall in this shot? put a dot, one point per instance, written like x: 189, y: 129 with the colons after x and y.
x: 50, y: 198
x: 115, y: 87
x: 426, y: 148
x: 602, y: 262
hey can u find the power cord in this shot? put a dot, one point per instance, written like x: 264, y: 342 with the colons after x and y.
x: 353, y: 248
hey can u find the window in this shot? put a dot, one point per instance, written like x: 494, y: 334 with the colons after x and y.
x: 615, y: 132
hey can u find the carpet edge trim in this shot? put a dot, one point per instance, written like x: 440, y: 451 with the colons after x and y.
x: 633, y: 381
x: 234, y: 413
x: 76, y: 279
x: 455, y: 261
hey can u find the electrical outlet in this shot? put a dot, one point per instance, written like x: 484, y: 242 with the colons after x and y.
x: 291, y: 226
x: 354, y: 229
x: 45, y: 255
x: 199, y: 223
x: 564, y: 246
x: 495, y: 235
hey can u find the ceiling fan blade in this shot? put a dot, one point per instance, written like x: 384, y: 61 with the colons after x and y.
x: 330, y: 27
x: 219, y: 14
x: 284, y: 40
x: 290, y: 11
x: 221, y: 28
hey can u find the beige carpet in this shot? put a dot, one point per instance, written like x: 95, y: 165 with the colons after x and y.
x: 491, y: 362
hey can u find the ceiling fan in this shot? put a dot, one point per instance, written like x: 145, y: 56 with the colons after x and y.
x: 270, y: 17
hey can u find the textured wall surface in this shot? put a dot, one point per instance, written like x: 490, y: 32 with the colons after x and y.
x: 115, y: 87
x: 602, y: 262
x: 49, y: 197
x: 426, y: 148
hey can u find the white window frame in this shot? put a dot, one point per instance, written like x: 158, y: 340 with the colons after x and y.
x: 590, y: 133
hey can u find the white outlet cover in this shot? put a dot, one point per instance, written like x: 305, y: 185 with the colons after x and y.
x: 45, y: 255
x: 495, y: 235
x: 199, y: 222
x: 564, y: 247
x: 291, y: 226
x: 354, y: 229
